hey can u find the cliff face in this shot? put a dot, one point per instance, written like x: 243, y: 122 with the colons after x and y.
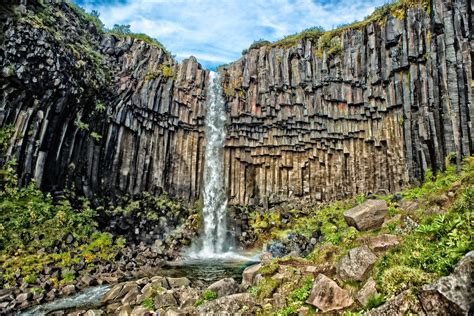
x: 397, y: 99
x: 105, y: 114
x: 113, y: 115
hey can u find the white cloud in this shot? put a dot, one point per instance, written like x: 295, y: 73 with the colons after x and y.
x: 216, y: 31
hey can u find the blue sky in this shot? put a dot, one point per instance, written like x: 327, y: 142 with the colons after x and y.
x: 216, y: 31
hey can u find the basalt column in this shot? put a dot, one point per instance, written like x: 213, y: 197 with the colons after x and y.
x: 395, y: 100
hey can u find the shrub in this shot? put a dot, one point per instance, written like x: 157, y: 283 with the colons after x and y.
x: 149, y: 304
x: 209, y: 295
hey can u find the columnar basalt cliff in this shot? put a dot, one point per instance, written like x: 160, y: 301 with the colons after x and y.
x: 106, y: 114
x: 112, y: 115
x: 394, y: 100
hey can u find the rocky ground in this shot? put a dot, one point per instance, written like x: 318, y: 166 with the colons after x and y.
x: 405, y: 253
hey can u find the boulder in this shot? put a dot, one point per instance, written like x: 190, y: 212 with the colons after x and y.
x: 228, y: 305
x: 366, y: 292
x: 124, y: 310
x: 131, y: 296
x: 368, y: 215
x: 88, y: 280
x: 166, y: 299
x: 356, y: 264
x: 381, y: 243
x: 178, y: 282
x: 23, y: 297
x: 452, y: 294
x: 249, y: 274
x: 328, y: 296
x: 69, y: 289
x: 113, y: 293
x: 409, y: 206
x: 224, y: 287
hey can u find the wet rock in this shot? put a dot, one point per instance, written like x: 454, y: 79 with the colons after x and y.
x: 356, y: 264
x: 224, y: 287
x: 248, y: 275
x: 452, y: 294
x: 69, y: 289
x: 328, y: 296
x: 368, y: 215
x: 113, y: 293
x: 23, y: 297
x: 88, y: 280
x: 178, y: 282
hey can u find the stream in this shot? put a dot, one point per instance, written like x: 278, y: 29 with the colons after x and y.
x: 197, y: 270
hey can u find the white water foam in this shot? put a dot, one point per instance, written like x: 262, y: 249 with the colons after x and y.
x: 214, y: 242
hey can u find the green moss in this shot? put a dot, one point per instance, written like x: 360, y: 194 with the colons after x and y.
x: 269, y: 269
x: 265, y: 288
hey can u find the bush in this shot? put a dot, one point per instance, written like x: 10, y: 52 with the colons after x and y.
x: 149, y: 304
x: 209, y: 295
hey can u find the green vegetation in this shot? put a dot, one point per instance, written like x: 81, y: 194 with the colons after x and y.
x: 6, y: 133
x: 100, y: 107
x: 265, y: 288
x: 330, y: 41
x: 92, y: 17
x: 165, y: 70
x: 428, y: 250
x: 125, y: 31
x: 96, y: 136
x: 81, y: 125
x: 207, y: 295
x: 375, y: 301
x: 33, y: 231
x: 149, y: 304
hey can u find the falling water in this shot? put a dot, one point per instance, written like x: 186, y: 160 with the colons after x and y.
x: 214, y: 241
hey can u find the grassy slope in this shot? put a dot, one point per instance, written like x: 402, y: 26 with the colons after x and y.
x: 428, y: 251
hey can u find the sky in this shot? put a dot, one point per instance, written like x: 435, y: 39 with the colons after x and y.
x: 216, y: 31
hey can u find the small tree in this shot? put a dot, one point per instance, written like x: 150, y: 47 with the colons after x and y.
x: 121, y: 29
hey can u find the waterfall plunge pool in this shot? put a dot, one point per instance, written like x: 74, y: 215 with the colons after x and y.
x: 198, y: 270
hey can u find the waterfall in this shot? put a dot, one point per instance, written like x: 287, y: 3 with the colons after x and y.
x: 214, y: 241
